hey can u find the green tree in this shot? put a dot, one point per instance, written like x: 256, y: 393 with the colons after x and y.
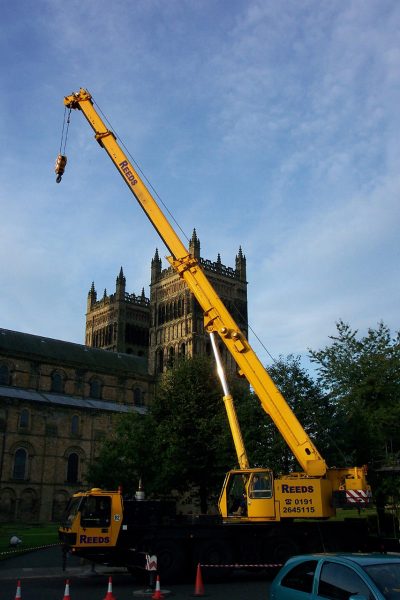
x: 192, y: 439
x: 252, y: 420
x: 265, y: 444
x: 126, y: 458
x: 182, y: 443
x: 362, y: 377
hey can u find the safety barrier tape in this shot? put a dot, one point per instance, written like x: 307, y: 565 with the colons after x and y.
x: 245, y: 566
x: 224, y: 566
x: 23, y: 549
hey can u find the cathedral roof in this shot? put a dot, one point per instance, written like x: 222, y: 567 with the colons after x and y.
x: 49, y: 350
x: 64, y: 400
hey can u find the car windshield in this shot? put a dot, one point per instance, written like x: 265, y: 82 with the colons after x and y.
x: 387, y: 578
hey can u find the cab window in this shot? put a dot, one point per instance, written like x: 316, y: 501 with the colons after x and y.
x: 261, y: 485
x: 96, y: 511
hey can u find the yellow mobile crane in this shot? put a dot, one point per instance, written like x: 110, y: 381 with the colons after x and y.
x: 313, y: 493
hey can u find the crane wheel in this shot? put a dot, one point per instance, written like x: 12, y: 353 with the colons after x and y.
x: 214, y: 552
x: 171, y: 560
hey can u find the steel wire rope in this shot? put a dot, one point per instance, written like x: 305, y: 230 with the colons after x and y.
x: 316, y: 419
x: 107, y: 120
x: 141, y: 171
x: 65, y: 137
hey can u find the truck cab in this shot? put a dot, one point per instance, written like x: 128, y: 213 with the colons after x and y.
x: 92, y: 521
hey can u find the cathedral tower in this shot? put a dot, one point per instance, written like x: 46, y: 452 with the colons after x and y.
x: 170, y: 324
x: 119, y: 321
x: 176, y: 322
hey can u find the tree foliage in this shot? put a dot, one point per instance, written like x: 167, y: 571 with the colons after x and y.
x: 126, y: 457
x: 265, y: 444
x: 362, y: 377
x: 192, y: 442
x: 351, y: 412
x: 182, y: 442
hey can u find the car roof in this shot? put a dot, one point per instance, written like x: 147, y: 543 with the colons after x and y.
x: 362, y: 559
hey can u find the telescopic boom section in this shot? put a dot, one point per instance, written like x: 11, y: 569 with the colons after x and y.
x: 216, y: 316
x: 230, y: 409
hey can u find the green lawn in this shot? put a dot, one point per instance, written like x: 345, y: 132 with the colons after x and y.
x: 352, y: 513
x: 32, y: 536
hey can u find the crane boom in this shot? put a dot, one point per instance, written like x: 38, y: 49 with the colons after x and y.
x: 216, y: 317
x: 230, y: 409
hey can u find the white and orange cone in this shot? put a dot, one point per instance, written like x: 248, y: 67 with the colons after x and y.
x: 18, y: 592
x: 66, y: 591
x: 198, y: 586
x: 157, y: 594
x: 109, y: 595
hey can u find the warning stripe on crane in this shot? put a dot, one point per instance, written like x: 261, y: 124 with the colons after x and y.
x: 358, y: 496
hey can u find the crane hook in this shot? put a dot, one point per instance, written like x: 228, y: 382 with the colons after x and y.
x: 60, y: 166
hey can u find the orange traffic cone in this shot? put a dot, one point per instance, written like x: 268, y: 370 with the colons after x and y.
x: 157, y: 594
x: 198, y: 587
x: 109, y: 595
x: 18, y: 592
x: 66, y: 591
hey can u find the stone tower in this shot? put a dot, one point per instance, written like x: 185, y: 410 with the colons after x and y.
x: 170, y: 324
x: 118, y: 322
x: 176, y: 323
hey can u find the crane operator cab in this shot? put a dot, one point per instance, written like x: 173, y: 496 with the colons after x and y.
x: 248, y: 495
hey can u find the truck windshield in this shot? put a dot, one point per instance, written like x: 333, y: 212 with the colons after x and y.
x: 96, y: 511
x: 71, y: 511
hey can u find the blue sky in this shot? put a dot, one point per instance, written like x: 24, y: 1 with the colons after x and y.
x: 270, y: 125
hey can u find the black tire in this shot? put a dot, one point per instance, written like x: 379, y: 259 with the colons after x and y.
x: 171, y: 561
x: 213, y: 552
x: 283, y: 549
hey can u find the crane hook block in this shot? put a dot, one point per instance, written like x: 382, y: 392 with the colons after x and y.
x: 60, y: 166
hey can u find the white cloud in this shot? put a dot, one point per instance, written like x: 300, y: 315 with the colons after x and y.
x: 273, y: 126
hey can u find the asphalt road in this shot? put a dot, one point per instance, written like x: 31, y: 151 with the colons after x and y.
x: 42, y: 578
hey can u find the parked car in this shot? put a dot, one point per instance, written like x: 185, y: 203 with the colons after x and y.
x: 338, y: 577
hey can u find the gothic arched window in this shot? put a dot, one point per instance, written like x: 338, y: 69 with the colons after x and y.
x: 95, y: 389
x: 4, y: 374
x: 138, y: 397
x: 72, y: 468
x: 24, y: 418
x: 171, y: 356
x: 20, y: 464
x: 180, y: 307
x: 57, y: 382
x: 75, y: 425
